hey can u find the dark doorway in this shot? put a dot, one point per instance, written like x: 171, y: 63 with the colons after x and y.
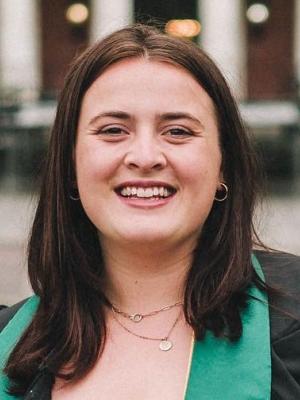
x: 61, y: 41
x: 270, y: 53
x: 162, y: 11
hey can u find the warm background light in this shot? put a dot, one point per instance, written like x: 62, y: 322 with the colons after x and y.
x: 183, y: 27
x: 258, y: 13
x: 77, y: 13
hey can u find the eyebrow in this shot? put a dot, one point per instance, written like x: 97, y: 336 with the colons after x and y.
x: 170, y: 116
x: 115, y: 114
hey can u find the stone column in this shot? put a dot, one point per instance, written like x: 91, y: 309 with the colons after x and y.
x: 20, y: 47
x: 297, y: 42
x: 108, y: 16
x: 223, y: 36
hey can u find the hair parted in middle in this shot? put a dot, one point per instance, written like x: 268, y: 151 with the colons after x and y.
x: 65, y: 261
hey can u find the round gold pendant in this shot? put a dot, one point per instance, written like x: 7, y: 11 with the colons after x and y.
x: 165, y: 345
x: 136, y: 317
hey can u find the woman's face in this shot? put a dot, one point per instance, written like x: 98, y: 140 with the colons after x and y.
x: 147, y: 155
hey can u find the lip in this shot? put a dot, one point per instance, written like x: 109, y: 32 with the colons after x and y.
x: 142, y: 203
x: 145, y: 183
x: 145, y: 204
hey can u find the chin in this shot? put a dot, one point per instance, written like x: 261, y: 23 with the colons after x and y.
x: 146, y: 238
x: 140, y: 237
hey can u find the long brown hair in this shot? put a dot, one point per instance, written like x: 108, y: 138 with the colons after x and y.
x: 65, y: 262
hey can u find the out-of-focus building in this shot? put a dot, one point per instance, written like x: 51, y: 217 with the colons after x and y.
x: 255, y: 43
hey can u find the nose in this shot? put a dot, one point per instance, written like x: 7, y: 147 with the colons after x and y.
x: 145, y: 153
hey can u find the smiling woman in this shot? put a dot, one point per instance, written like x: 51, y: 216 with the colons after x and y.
x: 152, y: 142
x: 142, y: 248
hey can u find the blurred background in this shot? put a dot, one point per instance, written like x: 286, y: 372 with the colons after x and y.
x: 255, y: 43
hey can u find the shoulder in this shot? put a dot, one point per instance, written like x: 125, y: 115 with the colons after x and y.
x: 282, y: 272
x: 7, y: 313
x: 281, y: 269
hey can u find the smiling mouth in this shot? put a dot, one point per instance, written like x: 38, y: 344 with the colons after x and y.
x: 151, y: 192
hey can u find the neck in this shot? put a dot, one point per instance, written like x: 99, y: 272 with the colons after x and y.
x: 145, y: 279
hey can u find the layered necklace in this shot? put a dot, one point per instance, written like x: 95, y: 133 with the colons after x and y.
x: 165, y: 344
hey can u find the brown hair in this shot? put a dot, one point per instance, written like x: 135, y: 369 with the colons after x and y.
x: 65, y: 262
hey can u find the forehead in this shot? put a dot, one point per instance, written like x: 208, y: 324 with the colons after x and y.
x: 144, y: 83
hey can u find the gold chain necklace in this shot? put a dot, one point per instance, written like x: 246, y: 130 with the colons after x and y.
x: 165, y: 343
x: 137, y: 317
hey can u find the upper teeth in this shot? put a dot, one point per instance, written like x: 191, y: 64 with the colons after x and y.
x: 145, y: 191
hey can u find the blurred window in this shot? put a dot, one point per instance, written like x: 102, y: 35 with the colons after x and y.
x: 159, y: 12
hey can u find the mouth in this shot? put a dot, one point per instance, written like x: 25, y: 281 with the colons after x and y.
x: 146, y: 191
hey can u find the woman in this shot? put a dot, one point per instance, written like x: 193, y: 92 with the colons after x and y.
x: 143, y: 239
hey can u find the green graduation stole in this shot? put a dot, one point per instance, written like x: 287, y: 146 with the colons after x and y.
x: 220, y: 370
x: 10, y: 336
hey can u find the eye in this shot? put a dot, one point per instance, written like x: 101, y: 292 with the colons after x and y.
x: 178, y: 133
x: 112, y: 131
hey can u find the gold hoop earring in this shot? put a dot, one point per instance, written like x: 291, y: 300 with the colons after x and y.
x: 225, y: 190
x: 74, y: 195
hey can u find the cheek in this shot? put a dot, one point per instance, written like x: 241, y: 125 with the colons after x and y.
x: 201, y: 170
x: 92, y: 165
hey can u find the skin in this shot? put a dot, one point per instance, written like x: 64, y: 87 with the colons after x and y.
x: 184, y: 152
x: 147, y: 244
